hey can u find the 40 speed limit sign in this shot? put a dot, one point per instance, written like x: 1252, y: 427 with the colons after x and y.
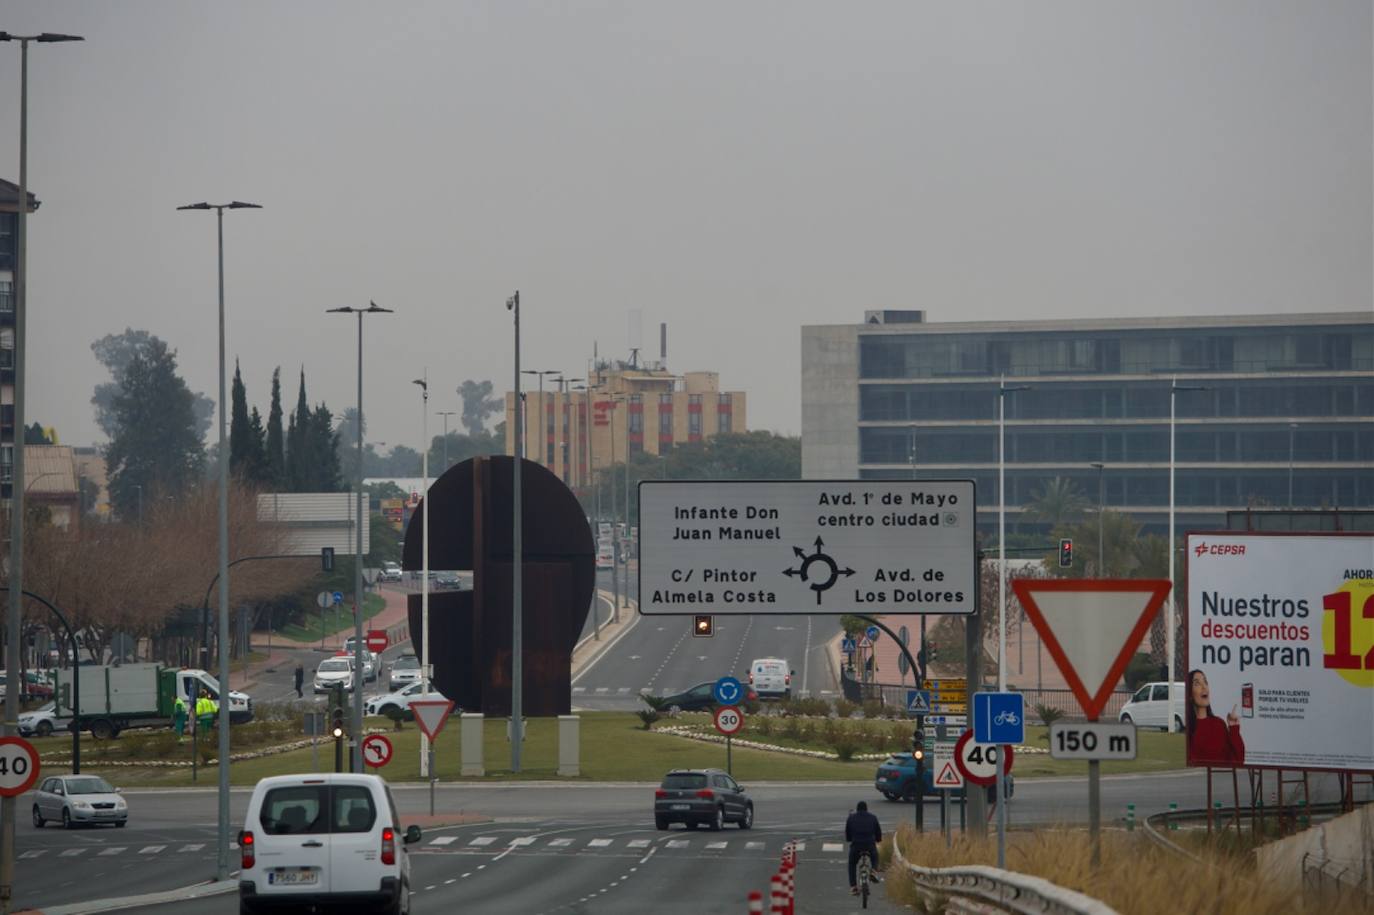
x: 18, y: 766
x: 978, y: 761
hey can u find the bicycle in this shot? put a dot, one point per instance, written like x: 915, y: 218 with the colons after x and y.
x: 865, y: 869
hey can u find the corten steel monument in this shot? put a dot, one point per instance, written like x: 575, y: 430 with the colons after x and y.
x: 471, y: 630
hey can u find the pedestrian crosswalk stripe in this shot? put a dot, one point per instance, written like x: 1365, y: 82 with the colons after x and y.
x: 151, y: 849
x: 753, y: 846
x: 483, y: 840
x: 638, y: 843
x: 72, y: 853
x: 603, y: 689
x: 561, y: 843
x: 799, y: 846
x: 599, y: 843
x: 623, y: 689
x: 579, y: 689
x: 114, y: 851
x: 444, y: 840
x: 832, y: 846
x: 34, y: 853
x: 196, y: 846
x: 716, y: 844
x: 677, y: 843
x: 522, y: 841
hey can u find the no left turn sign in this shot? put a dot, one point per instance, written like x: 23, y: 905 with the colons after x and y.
x: 729, y: 720
x: 18, y: 766
x: 376, y: 751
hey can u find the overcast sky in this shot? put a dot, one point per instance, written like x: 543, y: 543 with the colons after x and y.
x: 736, y: 169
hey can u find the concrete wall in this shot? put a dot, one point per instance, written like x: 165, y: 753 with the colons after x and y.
x: 1345, y: 842
x: 830, y: 402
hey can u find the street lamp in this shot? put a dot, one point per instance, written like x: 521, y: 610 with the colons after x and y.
x: 517, y: 638
x: 563, y: 383
x: 425, y: 749
x: 1174, y: 389
x: 357, y: 750
x: 1100, y: 563
x: 13, y: 622
x: 445, y: 414
x: 222, y: 856
x: 1002, y: 391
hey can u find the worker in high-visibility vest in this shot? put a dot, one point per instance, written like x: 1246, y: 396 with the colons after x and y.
x: 205, y: 710
x: 179, y: 715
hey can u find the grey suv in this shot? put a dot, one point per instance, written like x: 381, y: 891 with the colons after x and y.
x: 696, y: 796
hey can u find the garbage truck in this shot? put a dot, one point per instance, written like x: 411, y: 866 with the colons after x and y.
x: 116, y: 697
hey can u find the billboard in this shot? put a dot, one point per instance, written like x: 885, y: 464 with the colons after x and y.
x: 1280, y: 650
x: 807, y: 546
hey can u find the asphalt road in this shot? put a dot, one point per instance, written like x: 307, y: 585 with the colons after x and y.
x: 590, y: 848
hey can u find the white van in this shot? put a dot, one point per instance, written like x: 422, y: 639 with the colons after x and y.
x: 1149, y: 706
x: 771, y: 678
x: 324, y: 839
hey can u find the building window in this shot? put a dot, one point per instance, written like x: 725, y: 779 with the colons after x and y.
x: 723, y: 421
x: 665, y: 423
x: 636, y: 421
x: 6, y: 296
x: 694, y: 424
x: 694, y: 400
x: 725, y: 401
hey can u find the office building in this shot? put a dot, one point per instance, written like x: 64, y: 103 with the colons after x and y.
x: 9, y: 230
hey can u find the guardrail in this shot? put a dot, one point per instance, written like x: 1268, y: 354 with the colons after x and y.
x: 1007, y: 890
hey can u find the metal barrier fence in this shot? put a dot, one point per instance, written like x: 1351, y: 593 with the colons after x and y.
x: 894, y: 695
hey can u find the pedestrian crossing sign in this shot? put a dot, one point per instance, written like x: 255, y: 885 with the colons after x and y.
x: 917, y: 701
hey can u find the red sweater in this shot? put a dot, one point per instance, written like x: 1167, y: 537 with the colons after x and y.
x: 1215, y: 743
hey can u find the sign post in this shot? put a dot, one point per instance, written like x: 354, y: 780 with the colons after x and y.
x: 376, y: 750
x: 729, y: 720
x: 430, y: 715
x: 1091, y: 627
x: 1000, y: 719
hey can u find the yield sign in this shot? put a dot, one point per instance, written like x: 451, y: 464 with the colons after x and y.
x: 430, y: 715
x: 1091, y: 627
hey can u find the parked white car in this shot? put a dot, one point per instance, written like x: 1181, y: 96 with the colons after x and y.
x: 771, y: 678
x: 324, y: 840
x: 334, y: 672
x: 42, y: 721
x: 1149, y: 706
x: 400, y: 700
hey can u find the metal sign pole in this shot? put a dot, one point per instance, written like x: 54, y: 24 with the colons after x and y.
x: 1095, y: 808
x: 432, y: 777
x: 1001, y: 803
x: 729, y: 768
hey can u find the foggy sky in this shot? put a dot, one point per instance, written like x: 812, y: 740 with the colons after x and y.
x: 737, y: 169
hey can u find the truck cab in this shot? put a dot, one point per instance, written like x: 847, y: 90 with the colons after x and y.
x: 191, y: 681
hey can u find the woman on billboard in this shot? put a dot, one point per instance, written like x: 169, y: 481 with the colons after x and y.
x: 1211, y: 742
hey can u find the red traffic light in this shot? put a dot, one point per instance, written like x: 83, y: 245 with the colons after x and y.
x: 703, y: 625
x: 1066, y: 552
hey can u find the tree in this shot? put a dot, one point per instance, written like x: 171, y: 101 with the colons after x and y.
x: 478, y: 404
x: 297, y: 436
x: 461, y: 447
x: 323, y: 448
x: 245, y: 440
x: 275, y: 443
x: 155, y: 443
x: 36, y: 435
x: 1057, y: 502
x: 115, y: 352
x: 257, y: 470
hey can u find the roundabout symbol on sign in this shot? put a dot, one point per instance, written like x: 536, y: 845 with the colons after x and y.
x: 728, y: 691
x: 978, y: 761
x: 18, y: 766
x: 729, y: 720
x: 826, y: 578
x: 376, y: 750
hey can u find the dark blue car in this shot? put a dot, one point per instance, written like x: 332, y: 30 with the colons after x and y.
x: 896, y: 780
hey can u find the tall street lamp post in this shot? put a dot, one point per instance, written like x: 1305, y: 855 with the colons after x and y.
x: 586, y: 475
x: 13, y: 621
x: 517, y: 640
x: 445, y: 414
x: 1101, y: 560
x: 1174, y: 389
x: 356, y: 751
x: 563, y: 388
x: 425, y: 749
x: 222, y: 856
x: 1002, y: 391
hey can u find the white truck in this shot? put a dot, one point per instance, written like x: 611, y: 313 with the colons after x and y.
x: 114, y: 698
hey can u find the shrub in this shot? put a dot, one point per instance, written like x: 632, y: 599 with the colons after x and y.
x: 397, y: 716
x: 831, y: 731
x: 655, y: 703
x: 845, y: 708
x: 792, y: 729
x: 648, y: 716
x: 1048, y: 714
x: 845, y: 747
x: 763, y: 725
x: 873, y: 708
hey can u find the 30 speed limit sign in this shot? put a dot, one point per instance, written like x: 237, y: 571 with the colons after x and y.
x: 18, y: 766
x: 729, y: 720
x: 978, y: 761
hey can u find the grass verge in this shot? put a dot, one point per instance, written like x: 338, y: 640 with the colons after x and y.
x: 320, y: 624
x: 1135, y: 878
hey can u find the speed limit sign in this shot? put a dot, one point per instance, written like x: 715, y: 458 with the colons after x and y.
x: 729, y: 720
x: 978, y: 761
x: 18, y: 766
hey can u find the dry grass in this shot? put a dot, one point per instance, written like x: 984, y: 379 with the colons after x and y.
x: 1136, y: 877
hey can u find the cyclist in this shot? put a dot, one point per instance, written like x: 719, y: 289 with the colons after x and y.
x: 863, y: 833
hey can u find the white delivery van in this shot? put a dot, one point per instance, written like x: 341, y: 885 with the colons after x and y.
x: 326, y: 839
x: 1149, y: 706
x: 771, y: 678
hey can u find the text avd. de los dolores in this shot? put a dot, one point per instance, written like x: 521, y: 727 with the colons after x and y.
x: 841, y: 510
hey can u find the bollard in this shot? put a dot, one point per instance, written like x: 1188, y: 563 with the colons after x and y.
x: 789, y: 888
x: 1130, y: 817
x: 1173, y: 811
x: 755, y: 902
x: 777, y: 907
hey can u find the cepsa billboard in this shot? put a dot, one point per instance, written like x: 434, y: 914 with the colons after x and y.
x: 1280, y: 650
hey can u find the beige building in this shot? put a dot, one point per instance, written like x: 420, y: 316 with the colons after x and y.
x: 51, y: 483
x: 631, y: 411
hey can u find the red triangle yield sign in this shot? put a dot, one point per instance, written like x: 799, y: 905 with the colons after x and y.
x: 430, y: 715
x: 1091, y: 627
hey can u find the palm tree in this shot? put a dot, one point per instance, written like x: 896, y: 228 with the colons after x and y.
x: 1057, y: 502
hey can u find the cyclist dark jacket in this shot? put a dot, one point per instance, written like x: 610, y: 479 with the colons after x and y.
x: 862, y: 828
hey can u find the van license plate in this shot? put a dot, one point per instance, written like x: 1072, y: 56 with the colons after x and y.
x: 293, y: 876
x: 682, y: 806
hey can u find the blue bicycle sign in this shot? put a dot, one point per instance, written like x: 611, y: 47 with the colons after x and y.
x: 999, y: 718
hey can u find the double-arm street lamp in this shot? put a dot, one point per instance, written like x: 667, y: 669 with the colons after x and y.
x: 357, y: 749
x: 222, y: 856
x: 425, y: 750
x: 14, y: 626
x: 563, y: 388
x: 1174, y: 390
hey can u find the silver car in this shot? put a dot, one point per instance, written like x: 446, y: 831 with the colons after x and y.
x: 405, y: 670
x: 73, y: 799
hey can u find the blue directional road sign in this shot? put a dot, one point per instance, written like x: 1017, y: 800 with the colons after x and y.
x: 999, y: 718
x: 848, y: 645
x: 873, y: 632
x: 338, y: 598
x: 728, y: 691
x: 918, y: 702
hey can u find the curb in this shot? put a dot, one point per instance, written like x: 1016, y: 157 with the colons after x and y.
x: 184, y: 894
x: 610, y: 643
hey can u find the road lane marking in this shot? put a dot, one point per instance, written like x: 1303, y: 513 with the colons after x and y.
x: 602, y: 689
x: 560, y: 843
x: 598, y: 843
x: 36, y: 853
x: 483, y: 840
x: 622, y: 690
x: 678, y: 843
x: 832, y: 846
x: 195, y: 846
x: 114, y: 851
x: 579, y: 689
x: 444, y: 840
x: 753, y: 846
x: 638, y: 843
x: 72, y: 853
x: 799, y: 846
x: 151, y: 849
x: 716, y: 845
x: 522, y: 841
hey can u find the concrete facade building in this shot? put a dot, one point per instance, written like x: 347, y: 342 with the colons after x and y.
x: 630, y: 410
x: 1278, y: 410
x: 9, y: 226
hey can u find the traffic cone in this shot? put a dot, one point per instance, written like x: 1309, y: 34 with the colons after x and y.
x: 755, y: 902
x: 777, y: 906
x: 789, y: 886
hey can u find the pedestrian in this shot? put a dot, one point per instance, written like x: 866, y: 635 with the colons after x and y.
x: 300, y: 679
x: 205, y: 711
x: 179, y: 715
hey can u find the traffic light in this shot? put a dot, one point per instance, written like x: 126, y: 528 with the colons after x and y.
x: 327, y: 558
x: 703, y: 625
x: 1065, y: 552
x: 918, y: 744
x: 336, y: 721
x: 934, y: 651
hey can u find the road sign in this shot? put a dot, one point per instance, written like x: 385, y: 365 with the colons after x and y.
x: 873, y: 632
x: 865, y: 644
x: 377, y: 640
x: 949, y: 708
x: 18, y: 766
x: 728, y: 691
x: 917, y: 702
x: 807, y: 546
x: 376, y: 750
x: 999, y: 718
x: 1091, y: 627
x: 960, y: 720
x: 978, y: 762
x: 324, y: 599
x: 430, y: 715
x: 337, y: 597
x: 958, y: 684
x: 729, y: 720
x: 848, y: 645
x: 1092, y: 740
